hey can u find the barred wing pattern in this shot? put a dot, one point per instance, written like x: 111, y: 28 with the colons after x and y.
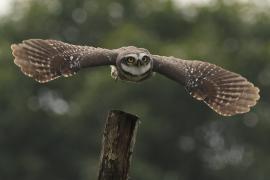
x: 225, y: 92
x: 46, y: 60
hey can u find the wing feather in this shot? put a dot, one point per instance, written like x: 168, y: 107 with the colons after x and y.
x: 46, y: 60
x: 227, y: 93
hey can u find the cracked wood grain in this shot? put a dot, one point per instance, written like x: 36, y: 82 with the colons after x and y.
x: 117, y: 145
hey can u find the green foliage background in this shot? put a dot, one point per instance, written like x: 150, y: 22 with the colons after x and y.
x: 53, y: 131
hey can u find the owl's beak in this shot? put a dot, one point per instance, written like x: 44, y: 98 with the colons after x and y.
x: 139, y: 63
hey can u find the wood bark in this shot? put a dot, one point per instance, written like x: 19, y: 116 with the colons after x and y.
x: 117, y: 146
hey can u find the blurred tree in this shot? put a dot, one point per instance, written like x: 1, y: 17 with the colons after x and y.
x: 53, y: 131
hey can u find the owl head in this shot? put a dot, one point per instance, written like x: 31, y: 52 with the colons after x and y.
x: 134, y: 64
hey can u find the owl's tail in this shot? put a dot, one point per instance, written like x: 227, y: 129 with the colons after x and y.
x: 41, y: 60
x: 225, y: 92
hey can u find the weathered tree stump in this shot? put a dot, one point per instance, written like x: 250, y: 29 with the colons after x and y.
x: 117, y: 145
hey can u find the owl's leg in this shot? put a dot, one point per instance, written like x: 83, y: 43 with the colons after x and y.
x: 114, y: 73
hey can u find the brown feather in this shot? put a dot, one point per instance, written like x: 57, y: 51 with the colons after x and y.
x: 225, y: 92
x: 45, y: 60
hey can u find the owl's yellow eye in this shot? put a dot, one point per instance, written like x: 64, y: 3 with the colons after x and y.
x: 130, y: 60
x: 145, y: 59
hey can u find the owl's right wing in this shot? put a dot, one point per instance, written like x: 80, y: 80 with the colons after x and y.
x: 225, y: 92
x: 46, y: 60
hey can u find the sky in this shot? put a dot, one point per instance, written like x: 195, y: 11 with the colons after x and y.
x: 256, y: 3
x: 6, y: 5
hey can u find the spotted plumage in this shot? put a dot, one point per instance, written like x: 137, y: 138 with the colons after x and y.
x: 225, y: 92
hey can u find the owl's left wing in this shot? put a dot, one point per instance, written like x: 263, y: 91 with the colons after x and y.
x: 46, y: 60
x: 225, y: 92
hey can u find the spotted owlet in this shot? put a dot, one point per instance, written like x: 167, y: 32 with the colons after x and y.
x: 225, y: 92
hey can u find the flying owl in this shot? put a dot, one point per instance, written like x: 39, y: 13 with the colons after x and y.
x: 225, y: 92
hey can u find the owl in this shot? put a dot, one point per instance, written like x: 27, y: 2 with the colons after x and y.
x: 226, y: 92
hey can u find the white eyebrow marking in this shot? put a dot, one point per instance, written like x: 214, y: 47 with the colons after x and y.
x: 132, y: 55
x: 141, y: 55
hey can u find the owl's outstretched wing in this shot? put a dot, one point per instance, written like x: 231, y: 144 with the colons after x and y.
x: 46, y: 60
x: 225, y: 92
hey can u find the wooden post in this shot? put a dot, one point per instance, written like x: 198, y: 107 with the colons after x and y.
x: 117, y: 145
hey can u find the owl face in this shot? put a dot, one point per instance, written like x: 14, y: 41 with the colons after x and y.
x: 135, y: 66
